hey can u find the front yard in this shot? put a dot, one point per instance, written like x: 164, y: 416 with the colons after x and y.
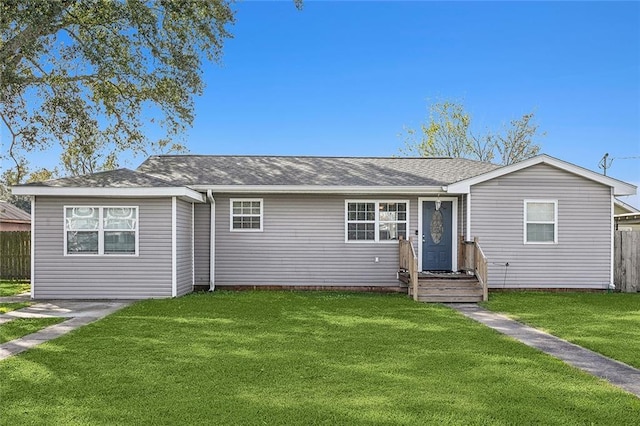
x: 605, y: 323
x: 298, y: 358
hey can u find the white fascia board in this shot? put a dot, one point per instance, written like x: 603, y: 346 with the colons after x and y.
x: 619, y: 187
x: 313, y: 189
x: 138, y: 192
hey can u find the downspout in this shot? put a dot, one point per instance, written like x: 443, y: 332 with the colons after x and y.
x: 33, y: 247
x: 212, y: 242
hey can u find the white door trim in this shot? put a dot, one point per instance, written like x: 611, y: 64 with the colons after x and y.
x: 454, y: 230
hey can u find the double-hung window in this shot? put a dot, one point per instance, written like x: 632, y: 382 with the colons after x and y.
x: 120, y: 225
x: 361, y: 221
x: 376, y: 221
x: 101, y: 230
x: 246, y: 215
x: 540, y: 221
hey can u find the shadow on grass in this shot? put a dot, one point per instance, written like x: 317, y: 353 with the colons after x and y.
x: 12, y: 306
x: 299, y: 358
x: 13, y: 288
x: 608, y: 323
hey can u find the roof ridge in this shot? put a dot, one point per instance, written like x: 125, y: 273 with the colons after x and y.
x: 366, y: 157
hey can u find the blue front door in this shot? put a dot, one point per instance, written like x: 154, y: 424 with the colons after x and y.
x: 436, y: 236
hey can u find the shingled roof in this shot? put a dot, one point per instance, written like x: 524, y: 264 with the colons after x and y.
x: 208, y: 170
x: 13, y: 214
x: 171, y: 171
x: 120, y: 178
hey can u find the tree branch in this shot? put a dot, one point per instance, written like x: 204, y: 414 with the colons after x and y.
x: 12, y: 155
x: 45, y: 25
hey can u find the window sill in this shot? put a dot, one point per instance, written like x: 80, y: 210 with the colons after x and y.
x: 100, y: 255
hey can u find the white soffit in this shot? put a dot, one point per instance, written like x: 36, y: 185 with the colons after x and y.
x: 317, y: 189
x: 138, y: 192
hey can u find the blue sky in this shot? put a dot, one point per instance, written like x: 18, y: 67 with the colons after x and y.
x: 344, y: 78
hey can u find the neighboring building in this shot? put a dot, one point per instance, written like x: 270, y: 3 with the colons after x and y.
x: 620, y: 207
x: 627, y: 217
x: 13, y: 218
x: 317, y: 222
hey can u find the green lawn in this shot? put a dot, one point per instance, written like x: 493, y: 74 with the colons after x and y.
x: 298, y: 358
x: 12, y: 306
x: 20, y: 327
x: 12, y: 288
x: 605, y: 323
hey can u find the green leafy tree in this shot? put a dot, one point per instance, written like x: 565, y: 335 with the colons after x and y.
x: 87, y: 75
x: 9, y: 177
x: 447, y: 133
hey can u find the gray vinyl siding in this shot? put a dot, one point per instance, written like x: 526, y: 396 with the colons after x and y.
x: 92, y: 277
x: 582, y: 256
x: 202, y: 242
x: 184, y: 248
x: 303, y: 243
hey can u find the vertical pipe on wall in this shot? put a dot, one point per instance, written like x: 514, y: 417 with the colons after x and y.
x: 212, y: 246
x: 193, y: 250
x: 174, y: 252
x: 33, y: 246
x: 611, y: 285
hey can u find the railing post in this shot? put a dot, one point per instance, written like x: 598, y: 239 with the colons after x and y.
x: 413, y: 270
x: 400, y: 257
x: 408, y: 260
x: 414, y: 278
x: 481, y: 268
x: 476, y: 260
x: 461, y: 253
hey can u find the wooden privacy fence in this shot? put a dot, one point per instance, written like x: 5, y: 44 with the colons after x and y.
x: 626, y: 264
x: 15, y: 255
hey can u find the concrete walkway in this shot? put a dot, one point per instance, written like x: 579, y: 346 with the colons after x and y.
x: 617, y: 373
x: 79, y: 313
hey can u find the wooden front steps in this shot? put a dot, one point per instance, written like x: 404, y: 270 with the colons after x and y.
x: 445, y: 288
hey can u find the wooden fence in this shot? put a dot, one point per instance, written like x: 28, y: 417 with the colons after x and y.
x: 15, y: 255
x: 626, y: 264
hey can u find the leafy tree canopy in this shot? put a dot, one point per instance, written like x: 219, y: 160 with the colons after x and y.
x: 87, y: 74
x: 447, y: 133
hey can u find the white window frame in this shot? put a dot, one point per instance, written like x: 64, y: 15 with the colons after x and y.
x: 232, y: 215
x: 377, y: 221
x: 101, y: 231
x: 526, y: 221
